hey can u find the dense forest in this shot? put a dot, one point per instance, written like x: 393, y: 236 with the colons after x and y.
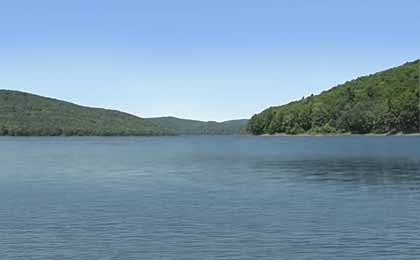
x: 193, y: 127
x: 384, y: 103
x: 23, y: 114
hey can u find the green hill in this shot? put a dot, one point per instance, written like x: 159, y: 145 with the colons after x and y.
x: 23, y: 114
x: 194, y: 127
x: 385, y: 102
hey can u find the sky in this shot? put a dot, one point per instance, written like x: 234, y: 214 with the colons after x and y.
x: 208, y: 60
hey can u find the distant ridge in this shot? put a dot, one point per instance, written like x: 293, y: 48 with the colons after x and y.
x: 195, y: 127
x: 385, y: 102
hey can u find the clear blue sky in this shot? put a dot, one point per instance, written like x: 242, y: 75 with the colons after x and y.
x: 209, y: 60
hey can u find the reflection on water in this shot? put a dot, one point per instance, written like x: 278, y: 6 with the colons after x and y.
x: 362, y: 171
x: 210, y: 198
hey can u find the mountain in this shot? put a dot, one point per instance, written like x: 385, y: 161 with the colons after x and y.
x: 23, y: 114
x: 193, y: 127
x: 385, y: 102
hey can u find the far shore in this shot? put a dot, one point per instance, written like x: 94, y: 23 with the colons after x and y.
x: 342, y: 134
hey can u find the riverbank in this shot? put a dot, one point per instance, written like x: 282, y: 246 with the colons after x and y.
x: 341, y: 134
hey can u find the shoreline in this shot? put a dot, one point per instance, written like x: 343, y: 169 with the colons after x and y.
x: 332, y: 135
x: 184, y: 135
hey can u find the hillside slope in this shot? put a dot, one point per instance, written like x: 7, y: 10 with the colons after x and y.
x: 23, y: 114
x: 194, y: 127
x: 385, y: 102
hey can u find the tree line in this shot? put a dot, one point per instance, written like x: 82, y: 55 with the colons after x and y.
x: 385, y: 102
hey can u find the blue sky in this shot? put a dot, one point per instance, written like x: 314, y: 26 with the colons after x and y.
x: 209, y: 60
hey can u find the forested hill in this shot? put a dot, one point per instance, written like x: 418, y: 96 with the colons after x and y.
x: 385, y: 102
x: 23, y: 114
x: 193, y: 127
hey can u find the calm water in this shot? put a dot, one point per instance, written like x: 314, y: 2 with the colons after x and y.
x: 208, y: 198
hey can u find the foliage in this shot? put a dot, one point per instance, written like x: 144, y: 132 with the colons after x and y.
x: 385, y: 102
x: 194, y: 127
x: 23, y: 114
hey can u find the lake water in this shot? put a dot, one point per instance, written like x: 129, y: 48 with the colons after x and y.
x: 202, y: 198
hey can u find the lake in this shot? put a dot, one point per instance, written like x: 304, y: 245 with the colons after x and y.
x: 210, y: 197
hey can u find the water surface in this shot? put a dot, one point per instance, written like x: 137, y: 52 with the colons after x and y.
x: 237, y: 197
